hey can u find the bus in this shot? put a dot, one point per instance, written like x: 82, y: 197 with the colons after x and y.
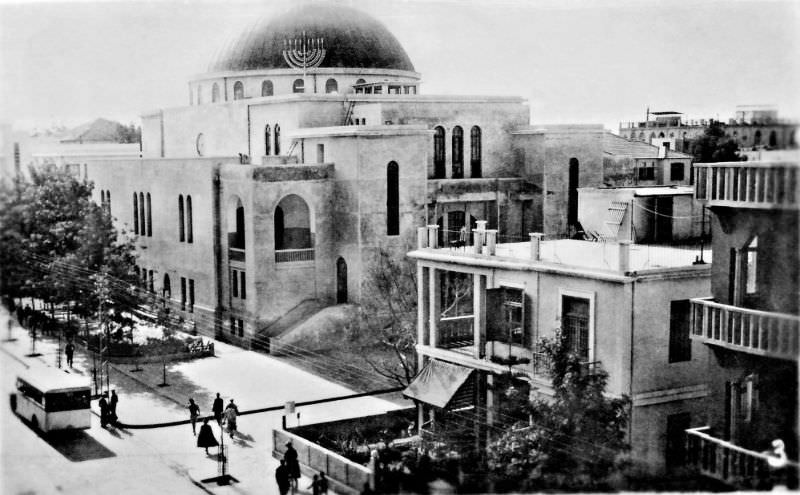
x: 52, y: 399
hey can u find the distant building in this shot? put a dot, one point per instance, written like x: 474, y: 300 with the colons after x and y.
x: 624, y: 308
x: 754, y: 127
x: 751, y: 326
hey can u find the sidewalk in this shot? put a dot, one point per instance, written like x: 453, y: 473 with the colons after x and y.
x: 253, y: 380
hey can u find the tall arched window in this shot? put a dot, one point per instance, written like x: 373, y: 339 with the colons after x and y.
x: 135, y: 214
x: 238, y: 90
x: 293, y: 224
x: 773, y: 139
x: 439, y: 168
x: 189, y: 226
x: 266, y: 88
x: 166, y: 288
x: 392, y: 199
x: 102, y: 197
x: 199, y: 95
x: 108, y: 201
x: 757, y: 138
x: 267, y: 138
x: 458, y: 153
x: 299, y: 86
x: 331, y: 86
x: 215, y: 93
x: 142, y: 228
x: 277, y: 139
x: 475, y: 151
x: 149, y: 218
x: 181, y: 213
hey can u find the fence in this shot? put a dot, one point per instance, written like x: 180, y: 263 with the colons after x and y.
x: 291, y: 255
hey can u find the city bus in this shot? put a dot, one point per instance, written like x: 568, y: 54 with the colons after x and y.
x: 52, y: 399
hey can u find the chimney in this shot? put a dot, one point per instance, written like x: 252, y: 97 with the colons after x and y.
x: 422, y: 237
x: 433, y: 236
x: 478, y: 236
x: 491, y: 241
x: 624, y: 256
x: 536, y: 241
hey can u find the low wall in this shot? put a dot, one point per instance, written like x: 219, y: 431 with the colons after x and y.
x: 344, y: 475
x: 181, y: 356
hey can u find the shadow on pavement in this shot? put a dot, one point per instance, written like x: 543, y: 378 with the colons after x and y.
x: 75, y: 445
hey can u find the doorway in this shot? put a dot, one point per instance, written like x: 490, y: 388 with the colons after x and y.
x: 341, y: 281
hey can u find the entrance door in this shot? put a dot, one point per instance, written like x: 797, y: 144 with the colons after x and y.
x: 341, y: 281
x: 663, y: 219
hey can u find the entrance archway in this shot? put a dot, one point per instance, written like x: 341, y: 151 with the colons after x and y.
x: 341, y: 281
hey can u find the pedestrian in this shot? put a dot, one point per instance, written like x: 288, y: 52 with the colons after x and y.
x: 112, y: 405
x: 217, y: 408
x: 103, y: 411
x: 194, y: 413
x: 314, y: 485
x: 323, y: 483
x: 206, y: 437
x: 282, y: 478
x: 69, y: 350
x: 230, y: 417
x: 290, y: 456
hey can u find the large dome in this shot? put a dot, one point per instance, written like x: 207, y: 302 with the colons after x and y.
x: 351, y: 38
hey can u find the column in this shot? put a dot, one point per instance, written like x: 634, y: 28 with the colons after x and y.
x: 422, y: 306
x: 434, y: 305
x: 739, y: 267
x: 479, y: 312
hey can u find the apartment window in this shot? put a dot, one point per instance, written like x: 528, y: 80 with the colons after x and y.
x: 142, y: 229
x: 189, y: 220
x: 458, y: 153
x: 215, y: 93
x: 647, y: 171
x: 277, y: 139
x: 135, y: 214
x: 751, y: 270
x: 242, y: 288
x: 238, y: 90
x: 757, y: 138
x: 235, y: 283
x: 680, y: 345
x: 181, y: 236
x: 676, y: 171
x: 392, y: 199
x: 151, y: 283
x: 475, y: 151
x: 149, y: 218
x: 191, y: 295
x: 331, y: 86
x: 183, y: 293
x: 575, y: 325
x: 510, y: 326
x: 267, y: 138
x: 266, y: 89
x: 438, y: 153
x: 320, y: 153
x: 233, y: 326
x: 241, y: 327
x: 299, y: 86
x: 749, y: 398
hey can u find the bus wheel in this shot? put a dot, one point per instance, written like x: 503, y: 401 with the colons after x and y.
x: 35, y: 423
x: 12, y: 398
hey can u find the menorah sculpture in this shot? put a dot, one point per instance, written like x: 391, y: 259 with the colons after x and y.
x: 304, y: 52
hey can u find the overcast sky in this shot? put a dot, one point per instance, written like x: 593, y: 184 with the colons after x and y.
x: 593, y: 61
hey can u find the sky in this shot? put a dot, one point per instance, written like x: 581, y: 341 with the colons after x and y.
x: 575, y: 61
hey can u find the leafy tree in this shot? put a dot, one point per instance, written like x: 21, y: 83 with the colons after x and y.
x: 713, y: 146
x: 575, y: 441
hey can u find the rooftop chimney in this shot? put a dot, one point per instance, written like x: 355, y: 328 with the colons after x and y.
x: 433, y: 236
x: 536, y: 241
x: 491, y: 241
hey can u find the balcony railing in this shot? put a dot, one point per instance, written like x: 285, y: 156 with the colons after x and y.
x: 746, y: 330
x: 456, y: 332
x: 749, y: 185
x: 733, y: 465
x: 235, y: 254
x: 290, y: 255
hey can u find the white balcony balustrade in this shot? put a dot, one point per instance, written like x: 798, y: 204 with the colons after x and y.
x: 747, y: 184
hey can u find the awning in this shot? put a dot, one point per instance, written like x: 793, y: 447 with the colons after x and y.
x: 438, y: 383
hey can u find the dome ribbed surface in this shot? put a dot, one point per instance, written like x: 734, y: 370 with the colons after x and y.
x: 352, y: 39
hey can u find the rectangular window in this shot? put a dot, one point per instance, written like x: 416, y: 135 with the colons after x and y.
x: 680, y: 345
x: 191, y: 295
x: 241, y: 328
x: 676, y: 171
x: 233, y: 326
x: 677, y: 424
x: 243, y: 291
x: 509, y: 327
x: 575, y: 324
x: 152, y: 289
x: 647, y: 172
x: 456, y: 294
x: 235, y: 283
x: 183, y: 293
x: 378, y: 90
x: 320, y: 153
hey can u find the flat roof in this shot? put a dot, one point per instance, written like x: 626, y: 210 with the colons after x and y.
x: 47, y: 378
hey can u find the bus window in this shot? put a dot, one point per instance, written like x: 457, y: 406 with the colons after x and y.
x: 66, y: 401
x: 29, y: 391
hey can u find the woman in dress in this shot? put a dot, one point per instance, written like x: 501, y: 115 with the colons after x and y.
x: 206, y: 437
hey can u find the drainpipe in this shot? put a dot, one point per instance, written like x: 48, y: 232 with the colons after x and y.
x: 536, y: 246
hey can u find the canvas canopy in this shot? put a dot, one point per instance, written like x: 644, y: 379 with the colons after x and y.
x: 438, y: 383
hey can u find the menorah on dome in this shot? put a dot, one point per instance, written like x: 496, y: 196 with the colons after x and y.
x: 304, y: 52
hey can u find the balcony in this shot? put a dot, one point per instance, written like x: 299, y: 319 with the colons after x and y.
x: 293, y: 255
x: 747, y: 184
x: 456, y: 333
x: 235, y: 254
x: 733, y: 465
x: 747, y: 330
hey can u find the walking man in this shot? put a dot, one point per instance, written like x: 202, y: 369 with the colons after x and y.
x: 194, y: 413
x: 230, y: 417
x: 69, y: 350
x: 282, y: 478
x: 292, y: 464
x: 103, y: 411
x: 112, y: 407
x: 217, y: 408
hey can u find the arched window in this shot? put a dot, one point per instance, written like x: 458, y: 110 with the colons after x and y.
x: 199, y: 95
x: 360, y: 81
x: 458, y: 153
x: 773, y: 139
x: 267, y: 138
x: 215, y: 93
x: 236, y: 229
x: 331, y: 86
x: 181, y: 214
x: 572, y: 195
x: 135, y: 214
x: 757, y: 138
x: 475, y: 151
x: 238, y: 90
x: 341, y: 281
x: 142, y: 228
x: 661, y: 134
x: 166, y: 291
x: 266, y: 88
x: 102, y: 197
x: 108, y: 200
x: 189, y: 226
x: 392, y: 199
x: 277, y: 139
x: 299, y: 86
x: 149, y: 218
x: 293, y: 224
x: 439, y: 168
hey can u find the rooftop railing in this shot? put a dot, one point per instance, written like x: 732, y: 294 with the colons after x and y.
x: 747, y: 184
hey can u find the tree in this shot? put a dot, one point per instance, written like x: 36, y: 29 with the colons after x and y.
x: 56, y: 242
x: 713, y: 146
x: 575, y: 441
